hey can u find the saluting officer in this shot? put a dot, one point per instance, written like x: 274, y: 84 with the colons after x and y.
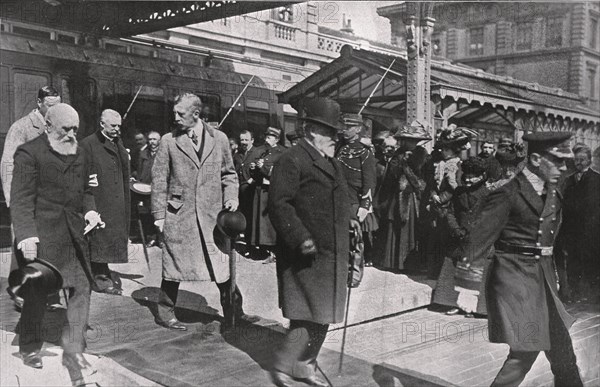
x: 520, y: 220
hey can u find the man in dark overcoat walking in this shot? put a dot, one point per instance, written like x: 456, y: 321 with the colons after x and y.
x: 109, y: 178
x: 52, y: 202
x: 24, y: 130
x: 310, y: 210
x: 520, y: 220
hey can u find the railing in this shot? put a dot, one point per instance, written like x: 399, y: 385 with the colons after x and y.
x: 285, y: 32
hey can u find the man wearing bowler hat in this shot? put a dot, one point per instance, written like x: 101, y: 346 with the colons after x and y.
x: 310, y: 210
x: 193, y: 179
x: 52, y: 202
x: 520, y: 220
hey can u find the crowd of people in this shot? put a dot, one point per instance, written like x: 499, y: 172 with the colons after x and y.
x: 488, y: 228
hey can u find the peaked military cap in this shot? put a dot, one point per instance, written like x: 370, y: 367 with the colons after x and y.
x: 273, y: 132
x: 352, y: 119
x: 322, y: 111
x: 554, y: 143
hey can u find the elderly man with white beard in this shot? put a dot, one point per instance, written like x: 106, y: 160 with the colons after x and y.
x: 52, y: 203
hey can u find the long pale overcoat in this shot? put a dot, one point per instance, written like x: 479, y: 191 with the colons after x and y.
x: 24, y: 130
x: 308, y: 198
x: 109, y: 162
x: 521, y: 289
x: 51, y: 196
x: 188, y: 193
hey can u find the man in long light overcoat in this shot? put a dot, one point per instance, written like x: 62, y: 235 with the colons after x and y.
x: 193, y: 179
x: 310, y: 210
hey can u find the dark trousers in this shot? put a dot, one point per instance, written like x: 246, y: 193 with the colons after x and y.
x: 167, y: 299
x: 298, y: 353
x: 31, y: 331
x: 561, y: 357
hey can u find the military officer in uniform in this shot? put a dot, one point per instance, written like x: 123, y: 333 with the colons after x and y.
x: 262, y: 233
x: 359, y: 167
x: 520, y: 219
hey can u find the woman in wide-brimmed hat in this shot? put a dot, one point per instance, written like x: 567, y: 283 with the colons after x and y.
x: 398, y: 197
x: 442, y: 177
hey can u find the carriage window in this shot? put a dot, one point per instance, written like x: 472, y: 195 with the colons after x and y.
x: 26, y: 87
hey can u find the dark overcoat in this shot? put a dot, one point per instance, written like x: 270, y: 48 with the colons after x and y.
x: 110, y: 162
x: 463, y: 214
x: 309, y: 199
x: 261, y: 230
x: 188, y: 192
x: 521, y: 288
x: 580, y: 229
x: 50, y: 198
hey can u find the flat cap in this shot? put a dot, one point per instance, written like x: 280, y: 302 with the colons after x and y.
x: 554, y: 143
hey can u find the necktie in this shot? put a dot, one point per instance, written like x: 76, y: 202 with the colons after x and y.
x: 194, y: 138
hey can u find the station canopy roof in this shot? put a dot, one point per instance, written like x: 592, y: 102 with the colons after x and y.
x: 351, y: 77
x: 126, y: 18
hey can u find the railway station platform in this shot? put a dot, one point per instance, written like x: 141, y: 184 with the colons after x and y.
x: 393, y: 338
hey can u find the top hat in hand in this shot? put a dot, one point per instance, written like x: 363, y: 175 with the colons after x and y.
x: 43, y: 275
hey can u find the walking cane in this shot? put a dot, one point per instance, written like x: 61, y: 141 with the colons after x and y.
x: 344, y: 333
x: 232, y: 280
x: 140, y: 226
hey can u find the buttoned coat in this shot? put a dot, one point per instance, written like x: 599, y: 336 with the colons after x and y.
x: 521, y: 288
x: 261, y: 231
x: 110, y: 162
x: 23, y: 130
x: 308, y: 198
x: 51, y: 197
x: 188, y: 193
x: 580, y: 229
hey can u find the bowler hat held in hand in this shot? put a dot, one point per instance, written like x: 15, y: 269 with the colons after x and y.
x: 39, y: 273
x: 231, y: 223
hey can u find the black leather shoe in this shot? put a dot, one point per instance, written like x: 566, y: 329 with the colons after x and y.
x: 281, y: 379
x: 32, y: 359
x: 173, y: 324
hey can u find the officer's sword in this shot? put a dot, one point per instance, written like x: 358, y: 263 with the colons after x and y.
x: 376, y: 87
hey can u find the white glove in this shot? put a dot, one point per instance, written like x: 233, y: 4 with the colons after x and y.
x: 362, y: 214
x: 29, y: 248
x: 467, y: 299
x: 160, y: 224
x: 92, y: 221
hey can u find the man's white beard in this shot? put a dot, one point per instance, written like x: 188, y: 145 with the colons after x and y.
x: 63, y: 146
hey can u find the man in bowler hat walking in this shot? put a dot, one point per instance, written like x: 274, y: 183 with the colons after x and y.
x: 310, y: 210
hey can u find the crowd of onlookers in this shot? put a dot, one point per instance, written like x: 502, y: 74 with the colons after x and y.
x: 423, y: 203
